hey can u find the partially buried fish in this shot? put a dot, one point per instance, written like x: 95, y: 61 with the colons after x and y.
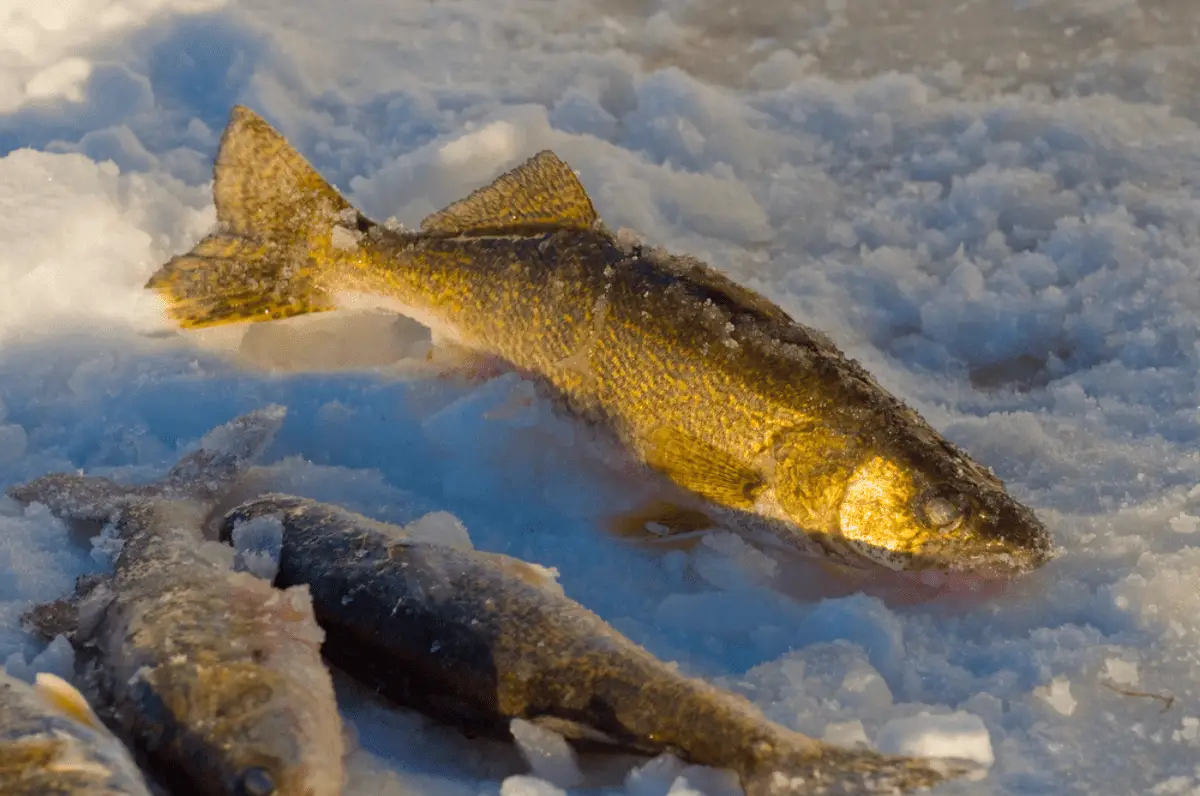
x: 52, y: 744
x: 213, y: 675
x: 477, y: 639
x: 761, y: 420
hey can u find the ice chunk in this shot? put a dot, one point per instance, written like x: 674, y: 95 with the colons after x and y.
x: 548, y: 754
x: 864, y: 688
x: 107, y: 544
x: 957, y: 735
x: 1180, y: 523
x: 217, y: 553
x: 1121, y: 672
x: 1190, y: 729
x: 655, y: 777
x: 1057, y: 694
x: 846, y: 733
x: 57, y: 658
x: 258, y: 544
x: 440, y: 527
x: 529, y: 786
x: 704, y: 781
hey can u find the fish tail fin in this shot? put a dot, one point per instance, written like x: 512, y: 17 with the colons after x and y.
x: 278, y: 222
x: 224, y: 454
x: 834, y: 771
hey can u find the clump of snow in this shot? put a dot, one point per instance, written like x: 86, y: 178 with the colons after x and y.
x: 956, y: 735
x: 667, y: 774
x: 44, y: 46
x: 58, y: 658
x: 1057, y: 694
x: 258, y: 544
x: 548, y: 754
x: 529, y: 786
x: 848, y: 734
x: 105, y: 243
x: 1122, y: 672
x: 440, y: 527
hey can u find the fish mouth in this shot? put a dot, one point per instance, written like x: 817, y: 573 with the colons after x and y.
x: 956, y: 570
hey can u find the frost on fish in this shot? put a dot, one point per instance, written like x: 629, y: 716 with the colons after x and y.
x: 214, y: 674
x: 51, y: 743
x: 479, y: 639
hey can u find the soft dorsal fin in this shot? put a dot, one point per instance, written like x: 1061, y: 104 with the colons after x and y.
x: 540, y: 195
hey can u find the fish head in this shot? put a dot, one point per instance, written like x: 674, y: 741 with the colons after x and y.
x: 251, y: 713
x: 243, y: 734
x: 913, y: 501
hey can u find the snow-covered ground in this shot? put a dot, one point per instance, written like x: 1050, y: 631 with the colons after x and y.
x: 992, y: 204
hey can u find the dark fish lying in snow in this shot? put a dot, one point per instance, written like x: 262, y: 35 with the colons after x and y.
x: 214, y: 675
x: 52, y: 744
x: 760, y: 419
x: 477, y: 639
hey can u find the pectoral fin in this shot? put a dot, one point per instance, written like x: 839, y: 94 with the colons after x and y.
x: 66, y: 699
x: 703, y: 469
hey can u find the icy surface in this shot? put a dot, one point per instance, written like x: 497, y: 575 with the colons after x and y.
x: 992, y: 205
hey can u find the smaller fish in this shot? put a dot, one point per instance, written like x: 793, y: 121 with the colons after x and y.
x: 213, y: 675
x: 477, y: 639
x: 52, y: 744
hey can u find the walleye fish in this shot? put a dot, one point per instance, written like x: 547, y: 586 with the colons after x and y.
x: 214, y: 675
x: 52, y: 744
x: 477, y: 639
x: 762, y: 420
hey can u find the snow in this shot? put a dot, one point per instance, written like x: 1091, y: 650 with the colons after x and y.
x: 991, y: 205
x: 548, y: 754
x: 258, y: 544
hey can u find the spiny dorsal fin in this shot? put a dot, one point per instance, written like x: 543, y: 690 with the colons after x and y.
x: 540, y: 195
x: 224, y: 454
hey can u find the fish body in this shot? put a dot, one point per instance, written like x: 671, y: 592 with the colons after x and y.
x: 214, y: 675
x: 48, y: 748
x: 477, y: 639
x: 758, y: 418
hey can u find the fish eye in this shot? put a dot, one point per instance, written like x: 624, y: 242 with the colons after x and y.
x: 256, y: 781
x: 942, y: 513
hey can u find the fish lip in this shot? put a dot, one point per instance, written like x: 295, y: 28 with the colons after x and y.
x: 998, y: 565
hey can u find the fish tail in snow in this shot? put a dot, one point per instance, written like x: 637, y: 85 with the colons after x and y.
x: 833, y: 771
x: 222, y: 457
x: 278, y: 222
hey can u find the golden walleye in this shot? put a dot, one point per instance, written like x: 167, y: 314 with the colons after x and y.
x: 763, y: 420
